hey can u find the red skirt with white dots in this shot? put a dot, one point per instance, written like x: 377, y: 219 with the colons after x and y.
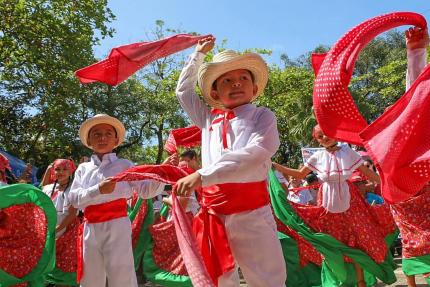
x: 413, y: 219
x: 355, y: 227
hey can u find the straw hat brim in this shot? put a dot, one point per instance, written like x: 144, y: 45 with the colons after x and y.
x: 209, y: 72
x: 101, y: 119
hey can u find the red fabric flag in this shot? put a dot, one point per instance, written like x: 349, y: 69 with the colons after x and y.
x: 183, y: 137
x: 125, y: 60
x: 334, y: 107
x: 186, y: 239
x: 399, y: 142
x: 164, y: 173
x: 188, y: 244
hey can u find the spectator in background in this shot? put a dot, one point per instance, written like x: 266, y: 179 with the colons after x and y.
x: 296, y: 192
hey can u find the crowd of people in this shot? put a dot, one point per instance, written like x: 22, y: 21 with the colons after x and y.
x: 334, y: 193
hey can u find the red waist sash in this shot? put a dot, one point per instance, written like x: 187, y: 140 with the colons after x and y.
x: 95, y: 214
x: 224, y: 199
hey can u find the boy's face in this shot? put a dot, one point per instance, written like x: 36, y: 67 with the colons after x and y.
x: 186, y: 161
x: 234, y: 88
x: 102, y: 138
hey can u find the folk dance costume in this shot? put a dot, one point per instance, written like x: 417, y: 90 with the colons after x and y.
x: 66, y: 239
x: 107, y: 249
x: 412, y: 215
x: 106, y: 233
x: 343, y: 212
x: 27, y: 235
x: 237, y: 147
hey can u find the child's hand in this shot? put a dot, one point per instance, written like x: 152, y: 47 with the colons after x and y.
x: 168, y: 200
x: 186, y: 185
x: 172, y: 160
x: 205, y: 44
x: 107, y: 186
x: 416, y: 38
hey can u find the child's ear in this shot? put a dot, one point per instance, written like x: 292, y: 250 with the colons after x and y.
x: 214, y: 95
x: 255, y: 90
x: 116, y: 141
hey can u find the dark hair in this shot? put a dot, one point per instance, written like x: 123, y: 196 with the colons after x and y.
x: 55, y: 184
x: 68, y: 184
x: 311, y: 178
x: 10, y: 177
x: 190, y: 153
x: 214, y: 83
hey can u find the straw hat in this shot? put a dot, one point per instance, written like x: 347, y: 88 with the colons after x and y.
x: 101, y: 119
x: 226, y: 61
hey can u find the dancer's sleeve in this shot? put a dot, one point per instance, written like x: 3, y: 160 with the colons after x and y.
x: 78, y: 196
x: 196, y: 109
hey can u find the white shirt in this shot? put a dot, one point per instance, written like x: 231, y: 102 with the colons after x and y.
x: 281, y: 178
x: 302, y: 196
x: 61, y: 203
x: 333, y: 169
x: 252, y: 136
x: 85, y: 187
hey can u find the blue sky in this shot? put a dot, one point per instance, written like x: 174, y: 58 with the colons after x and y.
x: 291, y: 27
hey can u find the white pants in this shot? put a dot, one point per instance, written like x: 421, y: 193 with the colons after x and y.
x: 108, y: 254
x: 253, y: 240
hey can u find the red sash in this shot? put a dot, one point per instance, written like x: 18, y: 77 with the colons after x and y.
x: 225, y: 199
x: 95, y: 214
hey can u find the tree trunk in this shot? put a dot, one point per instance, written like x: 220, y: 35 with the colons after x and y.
x: 160, y: 142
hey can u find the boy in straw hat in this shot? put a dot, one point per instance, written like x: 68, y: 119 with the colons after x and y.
x: 106, y: 248
x: 235, y: 225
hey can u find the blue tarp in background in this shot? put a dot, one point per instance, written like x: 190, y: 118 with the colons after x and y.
x: 18, y: 166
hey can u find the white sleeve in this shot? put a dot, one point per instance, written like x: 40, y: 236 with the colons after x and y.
x: 196, y: 109
x: 147, y: 188
x: 262, y: 145
x: 281, y: 178
x: 313, y: 162
x: 416, y: 62
x: 79, y: 196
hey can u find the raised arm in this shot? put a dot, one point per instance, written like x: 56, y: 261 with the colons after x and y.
x: 185, y: 91
x: 417, y: 40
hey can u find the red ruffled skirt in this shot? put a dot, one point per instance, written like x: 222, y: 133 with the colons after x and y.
x: 65, y: 248
x: 166, y: 252
x: 413, y: 219
x: 356, y: 227
x: 23, y: 231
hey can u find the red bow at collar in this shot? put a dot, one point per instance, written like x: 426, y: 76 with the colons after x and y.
x: 226, y: 117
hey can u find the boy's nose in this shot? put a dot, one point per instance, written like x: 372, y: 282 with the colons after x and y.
x: 236, y: 84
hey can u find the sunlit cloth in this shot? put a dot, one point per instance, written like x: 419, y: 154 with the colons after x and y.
x: 125, y: 60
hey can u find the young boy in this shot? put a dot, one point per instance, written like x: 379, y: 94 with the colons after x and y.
x: 107, y: 249
x: 235, y: 224
x: 189, y: 160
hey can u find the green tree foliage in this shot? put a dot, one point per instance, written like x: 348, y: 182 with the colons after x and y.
x: 41, y: 44
x: 289, y: 95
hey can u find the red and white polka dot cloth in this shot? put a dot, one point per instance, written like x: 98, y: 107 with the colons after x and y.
x: 398, y: 141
